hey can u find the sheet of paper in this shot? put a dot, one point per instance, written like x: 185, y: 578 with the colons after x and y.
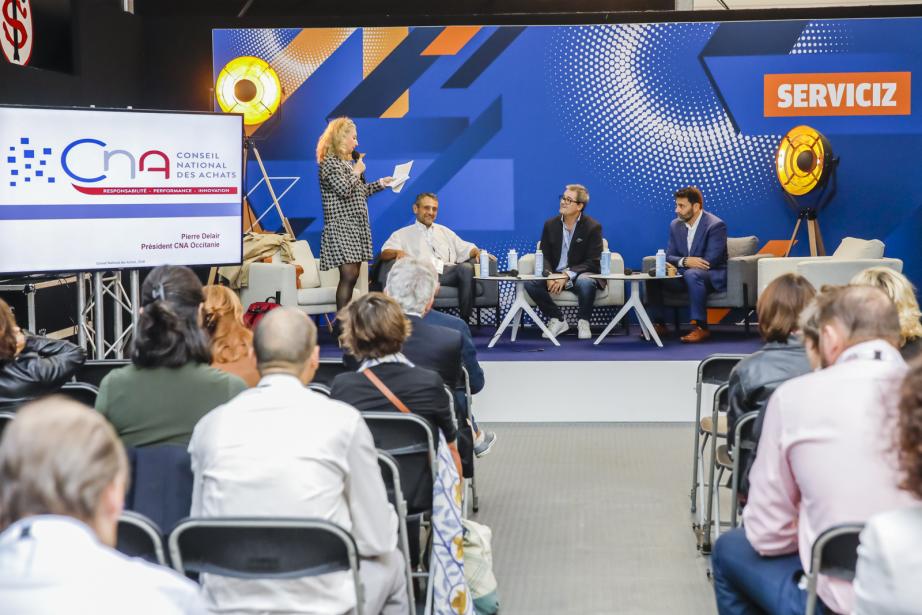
x: 401, y: 175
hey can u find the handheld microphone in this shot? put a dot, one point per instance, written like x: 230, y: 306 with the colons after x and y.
x: 356, y: 156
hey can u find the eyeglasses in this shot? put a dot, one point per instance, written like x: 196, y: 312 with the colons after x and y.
x: 568, y: 200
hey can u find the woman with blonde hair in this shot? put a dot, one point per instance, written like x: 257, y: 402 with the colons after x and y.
x: 346, y: 239
x: 231, y: 341
x: 903, y: 294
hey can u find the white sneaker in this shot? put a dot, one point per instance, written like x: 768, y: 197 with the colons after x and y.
x: 582, y: 330
x: 556, y: 327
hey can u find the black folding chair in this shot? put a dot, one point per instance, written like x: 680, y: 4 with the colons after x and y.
x: 390, y: 474
x: 94, y: 370
x: 264, y: 548
x: 835, y: 554
x: 328, y: 369
x: 714, y: 370
x: 475, y: 499
x: 318, y: 387
x: 138, y: 536
x: 714, y: 426
x: 83, y: 392
x: 743, y: 440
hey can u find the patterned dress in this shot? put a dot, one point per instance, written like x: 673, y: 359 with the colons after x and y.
x: 346, y: 234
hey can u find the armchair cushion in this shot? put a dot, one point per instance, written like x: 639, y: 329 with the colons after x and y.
x: 742, y: 246
x: 612, y: 294
x: 301, y: 250
x: 854, y: 249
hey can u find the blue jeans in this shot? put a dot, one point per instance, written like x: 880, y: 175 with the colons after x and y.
x: 583, y: 286
x: 745, y: 583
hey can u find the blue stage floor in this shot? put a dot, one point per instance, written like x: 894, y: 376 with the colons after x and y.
x: 616, y: 347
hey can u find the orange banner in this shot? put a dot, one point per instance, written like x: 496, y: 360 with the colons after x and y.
x: 813, y: 94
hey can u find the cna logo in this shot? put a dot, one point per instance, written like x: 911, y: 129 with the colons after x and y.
x: 837, y: 94
x: 28, y: 165
x: 92, y: 155
x: 16, y: 31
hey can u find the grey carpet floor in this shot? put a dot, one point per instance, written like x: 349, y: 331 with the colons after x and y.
x: 593, y: 519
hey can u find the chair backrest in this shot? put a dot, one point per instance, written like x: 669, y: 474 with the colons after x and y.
x: 409, y: 439
x: 390, y: 474
x: 328, y: 369
x: 263, y: 548
x: 304, y: 256
x: 835, y: 554
x: 94, y: 370
x: 451, y: 406
x: 161, y: 483
x: 5, y: 417
x: 716, y: 368
x: 318, y: 387
x: 138, y: 536
x: 83, y: 392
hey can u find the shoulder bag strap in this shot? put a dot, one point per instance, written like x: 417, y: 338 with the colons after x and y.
x: 386, y: 391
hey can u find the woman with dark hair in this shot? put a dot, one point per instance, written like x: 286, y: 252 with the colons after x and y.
x: 231, y: 341
x: 170, y: 384
x: 889, y: 565
x: 783, y: 357
x: 373, y: 331
x: 32, y: 366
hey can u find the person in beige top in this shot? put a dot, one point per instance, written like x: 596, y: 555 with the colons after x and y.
x: 231, y: 341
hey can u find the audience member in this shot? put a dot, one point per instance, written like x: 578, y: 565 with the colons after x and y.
x: 373, y: 331
x: 783, y: 357
x: 280, y: 449
x: 698, y: 248
x: 825, y: 458
x: 231, y: 341
x: 889, y: 566
x: 63, y: 474
x: 903, y: 294
x: 468, y: 349
x: 32, y: 366
x: 571, y: 243
x: 413, y: 284
x: 448, y: 253
x: 170, y: 384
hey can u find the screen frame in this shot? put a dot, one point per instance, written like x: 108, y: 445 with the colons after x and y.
x: 243, y: 178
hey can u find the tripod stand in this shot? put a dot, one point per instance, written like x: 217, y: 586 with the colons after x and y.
x: 250, y: 144
x: 810, y: 213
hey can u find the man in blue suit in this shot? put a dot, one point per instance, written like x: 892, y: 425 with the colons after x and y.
x: 698, y: 248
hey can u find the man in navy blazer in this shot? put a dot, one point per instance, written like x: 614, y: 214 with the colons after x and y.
x: 698, y: 248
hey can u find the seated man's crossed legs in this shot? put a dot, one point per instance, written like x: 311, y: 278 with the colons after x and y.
x: 583, y: 287
x: 695, y: 282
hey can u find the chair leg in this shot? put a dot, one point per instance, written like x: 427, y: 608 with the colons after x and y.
x: 717, y: 504
x: 675, y: 317
x: 475, y: 499
x: 695, y: 453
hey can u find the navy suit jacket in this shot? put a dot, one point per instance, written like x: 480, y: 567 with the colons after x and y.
x: 710, y: 243
x: 468, y: 350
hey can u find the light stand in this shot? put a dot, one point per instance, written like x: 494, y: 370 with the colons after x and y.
x: 248, y: 145
x: 810, y: 214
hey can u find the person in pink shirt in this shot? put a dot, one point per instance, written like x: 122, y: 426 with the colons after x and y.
x: 826, y: 456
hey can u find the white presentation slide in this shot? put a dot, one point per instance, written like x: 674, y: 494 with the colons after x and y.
x: 87, y: 189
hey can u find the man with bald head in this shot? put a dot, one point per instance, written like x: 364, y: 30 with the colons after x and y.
x: 280, y: 449
x: 826, y: 457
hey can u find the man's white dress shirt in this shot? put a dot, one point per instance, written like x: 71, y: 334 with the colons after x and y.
x: 826, y: 456
x: 53, y: 564
x: 437, y: 242
x: 281, y: 450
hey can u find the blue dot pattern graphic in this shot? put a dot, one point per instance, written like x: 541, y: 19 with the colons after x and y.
x: 636, y: 102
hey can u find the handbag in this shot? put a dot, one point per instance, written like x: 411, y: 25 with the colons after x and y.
x: 257, y: 311
x: 478, y: 567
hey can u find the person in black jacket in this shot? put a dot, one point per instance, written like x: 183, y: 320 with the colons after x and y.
x: 32, y: 366
x: 783, y: 357
x: 572, y: 244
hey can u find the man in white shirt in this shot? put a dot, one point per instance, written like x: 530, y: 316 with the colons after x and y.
x: 449, y: 254
x: 63, y: 473
x: 280, y: 449
x: 826, y: 457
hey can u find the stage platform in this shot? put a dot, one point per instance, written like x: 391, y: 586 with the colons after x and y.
x: 623, y: 379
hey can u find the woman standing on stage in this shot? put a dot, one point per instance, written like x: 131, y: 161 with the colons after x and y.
x: 346, y: 239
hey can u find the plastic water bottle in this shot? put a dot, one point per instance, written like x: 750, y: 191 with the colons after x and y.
x: 539, y: 263
x: 661, y: 263
x: 512, y: 260
x: 606, y: 262
x: 484, y: 264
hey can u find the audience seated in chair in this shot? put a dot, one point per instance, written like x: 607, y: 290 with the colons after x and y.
x: 783, y: 357
x: 231, y: 341
x: 825, y: 457
x: 280, y: 449
x: 889, y: 566
x: 903, y: 294
x: 32, y: 366
x: 170, y: 384
x: 62, y: 482
x: 468, y: 349
x: 373, y: 331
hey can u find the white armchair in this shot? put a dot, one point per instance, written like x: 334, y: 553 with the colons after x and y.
x: 852, y: 255
x: 317, y: 294
x: 612, y: 294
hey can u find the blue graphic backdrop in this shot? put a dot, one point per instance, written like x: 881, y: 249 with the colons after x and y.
x: 498, y: 126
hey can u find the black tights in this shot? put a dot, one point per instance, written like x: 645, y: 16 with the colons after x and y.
x: 348, y: 276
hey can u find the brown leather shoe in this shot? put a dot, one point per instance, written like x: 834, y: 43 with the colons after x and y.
x: 661, y: 330
x: 697, y: 335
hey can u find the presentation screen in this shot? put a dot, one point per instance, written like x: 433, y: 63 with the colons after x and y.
x: 87, y: 189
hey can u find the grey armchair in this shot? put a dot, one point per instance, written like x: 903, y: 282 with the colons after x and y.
x: 742, y: 278
x: 486, y: 294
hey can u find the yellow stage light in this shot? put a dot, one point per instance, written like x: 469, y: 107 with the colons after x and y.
x: 248, y: 85
x: 801, y: 160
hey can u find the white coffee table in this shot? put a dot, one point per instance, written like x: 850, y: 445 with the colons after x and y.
x: 633, y: 303
x: 519, y: 305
